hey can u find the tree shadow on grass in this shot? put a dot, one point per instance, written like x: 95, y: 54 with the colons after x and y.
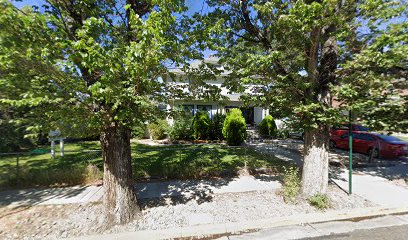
x: 187, y: 163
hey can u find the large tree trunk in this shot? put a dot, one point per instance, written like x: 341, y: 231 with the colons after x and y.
x: 315, y: 166
x: 120, y: 203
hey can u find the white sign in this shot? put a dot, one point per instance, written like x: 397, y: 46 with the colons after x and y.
x: 56, y: 136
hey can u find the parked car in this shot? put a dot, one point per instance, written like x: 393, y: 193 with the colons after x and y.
x: 298, y: 135
x: 334, y: 131
x: 344, y: 128
x: 364, y: 142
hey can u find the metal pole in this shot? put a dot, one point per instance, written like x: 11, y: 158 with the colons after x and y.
x: 17, y: 169
x: 350, y: 152
x: 53, y: 149
x: 62, y: 147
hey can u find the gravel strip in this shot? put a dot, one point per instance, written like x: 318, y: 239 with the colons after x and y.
x: 60, y: 221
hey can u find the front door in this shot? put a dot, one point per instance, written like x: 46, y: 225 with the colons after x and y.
x: 248, y: 114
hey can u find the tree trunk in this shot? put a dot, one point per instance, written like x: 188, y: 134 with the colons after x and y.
x: 120, y: 203
x: 315, y: 173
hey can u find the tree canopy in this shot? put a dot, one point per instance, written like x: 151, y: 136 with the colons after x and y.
x: 302, y: 55
x: 280, y: 46
x: 84, y: 65
x: 92, y: 67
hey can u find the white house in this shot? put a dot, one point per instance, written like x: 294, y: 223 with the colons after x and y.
x: 253, y: 115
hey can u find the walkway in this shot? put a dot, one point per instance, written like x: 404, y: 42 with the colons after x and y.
x: 376, y: 189
x: 372, y: 183
x: 184, y: 189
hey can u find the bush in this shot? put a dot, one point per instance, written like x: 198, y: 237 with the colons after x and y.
x: 158, y: 130
x: 216, y: 126
x: 282, y: 133
x: 12, y: 137
x: 319, y: 201
x: 268, y: 127
x: 182, y: 128
x: 201, y: 125
x: 291, y: 184
x: 139, y: 131
x: 234, y: 128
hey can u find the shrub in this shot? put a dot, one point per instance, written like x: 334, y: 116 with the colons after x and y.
x: 216, y: 126
x: 159, y: 129
x: 234, y: 128
x: 139, y: 131
x: 282, y: 133
x: 182, y: 128
x: 319, y: 201
x: 201, y: 125
x: 12, y: 137
x: 268, y: 127
x: 291, y: 184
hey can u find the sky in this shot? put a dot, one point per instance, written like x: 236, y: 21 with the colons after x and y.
x: 193, y: 5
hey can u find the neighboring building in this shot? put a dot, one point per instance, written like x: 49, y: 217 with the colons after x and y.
x: 253, y: 115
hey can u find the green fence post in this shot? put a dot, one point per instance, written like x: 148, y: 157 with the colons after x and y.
x: 350, y: 153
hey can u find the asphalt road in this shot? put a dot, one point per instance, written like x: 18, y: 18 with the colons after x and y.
x: 382, y: 233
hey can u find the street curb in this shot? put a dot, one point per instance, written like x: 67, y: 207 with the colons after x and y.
x: 232, y: 228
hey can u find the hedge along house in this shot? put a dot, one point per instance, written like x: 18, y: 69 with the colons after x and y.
x: 209, y: 93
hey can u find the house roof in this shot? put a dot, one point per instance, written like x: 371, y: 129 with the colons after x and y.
x: 199, y: 63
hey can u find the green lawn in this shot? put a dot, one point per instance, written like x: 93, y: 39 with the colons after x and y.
x: 40, y: 169
x: 168, y: 162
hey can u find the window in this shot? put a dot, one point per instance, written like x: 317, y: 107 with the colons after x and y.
x: 360, y: 128
x: 367, y: 137
x: 389, y: 138
x: 188, y: 108
x: 354, y: 135
x: 358, y: 136
x: 341, y: 127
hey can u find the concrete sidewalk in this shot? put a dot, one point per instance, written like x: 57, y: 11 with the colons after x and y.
x: 44, y: 196
x: 187, y: 189
x: 366, y: 184
x: 376, y: 189
x: 323, y: 230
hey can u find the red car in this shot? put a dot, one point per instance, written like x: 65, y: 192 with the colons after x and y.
x: 344, y: 128
x: 382, y: 145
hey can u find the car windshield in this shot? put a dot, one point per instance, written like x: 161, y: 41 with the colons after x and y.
x: 389, y: 138
x: 361, y: 128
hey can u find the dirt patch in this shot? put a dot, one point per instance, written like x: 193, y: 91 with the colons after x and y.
x: 71, y: 220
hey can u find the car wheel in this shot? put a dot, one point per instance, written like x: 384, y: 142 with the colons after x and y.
x: 332, y: 144
x: 375, y: 153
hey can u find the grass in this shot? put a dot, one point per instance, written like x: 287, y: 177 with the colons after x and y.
x: 319, y: 201
x: 291, y: 184
x: 39, y: 169
x: 79, y: 165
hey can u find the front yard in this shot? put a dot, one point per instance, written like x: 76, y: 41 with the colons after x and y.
x: 82, y: 164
